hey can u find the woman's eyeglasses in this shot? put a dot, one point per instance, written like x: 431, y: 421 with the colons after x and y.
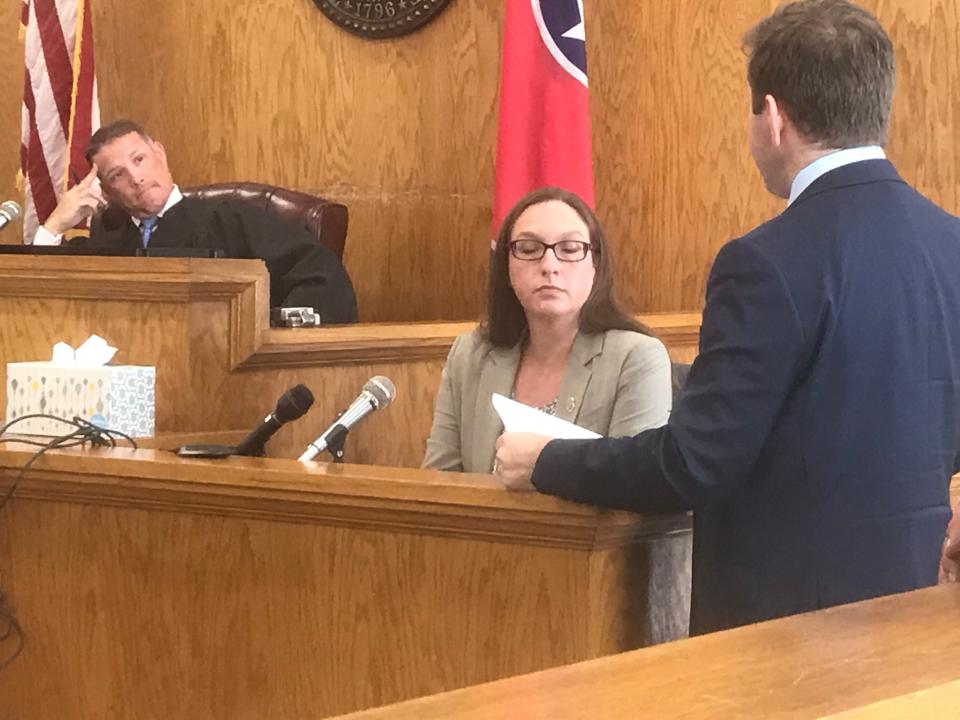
x: 565, y: 250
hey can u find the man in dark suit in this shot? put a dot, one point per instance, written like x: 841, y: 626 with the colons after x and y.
x: 818, y: 428
x: 147, y: 209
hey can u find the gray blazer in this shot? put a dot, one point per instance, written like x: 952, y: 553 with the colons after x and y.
x: 616, y: 383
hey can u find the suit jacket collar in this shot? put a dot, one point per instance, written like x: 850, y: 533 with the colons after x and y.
x: 499, y: 374
x: 858, y: 173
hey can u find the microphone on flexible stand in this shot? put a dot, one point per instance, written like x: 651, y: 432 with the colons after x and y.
x: 377, y: 393
x: 9, y: 211
x: 293, y: 404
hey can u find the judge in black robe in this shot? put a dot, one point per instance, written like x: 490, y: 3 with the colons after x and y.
x: 303, y: 273
x: 129, y: 171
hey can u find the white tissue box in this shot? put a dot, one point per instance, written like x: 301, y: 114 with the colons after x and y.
x: 117, y: 397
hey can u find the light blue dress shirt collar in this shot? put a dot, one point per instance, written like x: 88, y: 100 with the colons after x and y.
x: 834, y: 160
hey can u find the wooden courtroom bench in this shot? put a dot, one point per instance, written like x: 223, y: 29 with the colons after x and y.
x: 940, y: 701
x: 220, y: 367
x: 893, y: 658
x: 150, y: 586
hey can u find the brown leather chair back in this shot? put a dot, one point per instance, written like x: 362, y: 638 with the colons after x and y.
x: 324, y: 219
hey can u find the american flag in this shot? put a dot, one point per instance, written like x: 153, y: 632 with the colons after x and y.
x: 60, y: 106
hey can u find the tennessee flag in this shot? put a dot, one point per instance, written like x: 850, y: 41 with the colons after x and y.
x: 60, y: 108
x: 544, y: 129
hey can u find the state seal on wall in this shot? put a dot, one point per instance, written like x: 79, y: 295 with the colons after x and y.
x: 381, y: 18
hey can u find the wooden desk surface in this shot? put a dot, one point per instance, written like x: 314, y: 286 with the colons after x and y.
x: 941, y: 701
x: 807, y: 666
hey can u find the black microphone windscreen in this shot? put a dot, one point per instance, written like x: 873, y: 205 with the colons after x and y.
x: 293, y: 404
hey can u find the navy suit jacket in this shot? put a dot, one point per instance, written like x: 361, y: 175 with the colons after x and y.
x: 817, y: 431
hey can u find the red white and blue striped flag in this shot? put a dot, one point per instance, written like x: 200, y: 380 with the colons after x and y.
x: 544, y: 130
x: 60, y: 106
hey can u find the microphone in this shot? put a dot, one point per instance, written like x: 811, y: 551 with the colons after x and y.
x: 377, y: 393
x: 9, y: 211
x: 293, y: 404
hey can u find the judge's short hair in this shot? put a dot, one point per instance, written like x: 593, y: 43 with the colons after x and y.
x: 108, y: 133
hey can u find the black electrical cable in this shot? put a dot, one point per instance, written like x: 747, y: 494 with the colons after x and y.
x: 84, y: 432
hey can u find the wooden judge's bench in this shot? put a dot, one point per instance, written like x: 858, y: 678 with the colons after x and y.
x: 150, y: 586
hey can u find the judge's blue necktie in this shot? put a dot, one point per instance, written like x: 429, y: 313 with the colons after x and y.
x: 146, y: 229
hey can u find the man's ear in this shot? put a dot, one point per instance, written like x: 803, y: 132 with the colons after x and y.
x: 776, y: 119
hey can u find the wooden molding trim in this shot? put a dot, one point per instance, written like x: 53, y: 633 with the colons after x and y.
x: 362, y: 344
x: 366, y: 497
x: 126, y: 278
x: 373, y: 343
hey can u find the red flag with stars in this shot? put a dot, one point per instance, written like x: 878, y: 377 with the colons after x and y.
x: 544, y: 128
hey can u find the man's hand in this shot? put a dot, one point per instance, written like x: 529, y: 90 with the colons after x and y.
x: 76, y: 205
x: 517, y: 453
x: 950, y: 560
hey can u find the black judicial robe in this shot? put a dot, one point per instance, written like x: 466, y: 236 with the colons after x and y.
x: 303, y: 273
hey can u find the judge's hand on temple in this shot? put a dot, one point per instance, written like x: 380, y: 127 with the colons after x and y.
x: 950, y: 560
x: 76, y: 205
x: 517, y: 453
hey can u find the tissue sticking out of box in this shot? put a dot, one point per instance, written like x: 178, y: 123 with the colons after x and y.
x: 94, y: 352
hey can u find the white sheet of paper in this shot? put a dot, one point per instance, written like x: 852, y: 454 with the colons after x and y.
x: 518, y: 417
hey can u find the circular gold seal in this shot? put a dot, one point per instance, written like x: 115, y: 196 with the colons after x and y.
x: 381, y: 18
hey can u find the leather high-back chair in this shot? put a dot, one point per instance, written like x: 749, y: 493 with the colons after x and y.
x: 324, y: 219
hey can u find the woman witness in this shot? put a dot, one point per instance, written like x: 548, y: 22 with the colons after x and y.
x: 554, y: 339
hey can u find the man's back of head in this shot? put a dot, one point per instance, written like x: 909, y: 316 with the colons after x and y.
x: 830, y: 65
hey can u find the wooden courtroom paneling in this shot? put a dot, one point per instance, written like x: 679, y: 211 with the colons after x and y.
x: 153, y: 587
x: 801, y: 667
x: 202, y: 324
x: 400, y: 131
x: 403, y: 131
